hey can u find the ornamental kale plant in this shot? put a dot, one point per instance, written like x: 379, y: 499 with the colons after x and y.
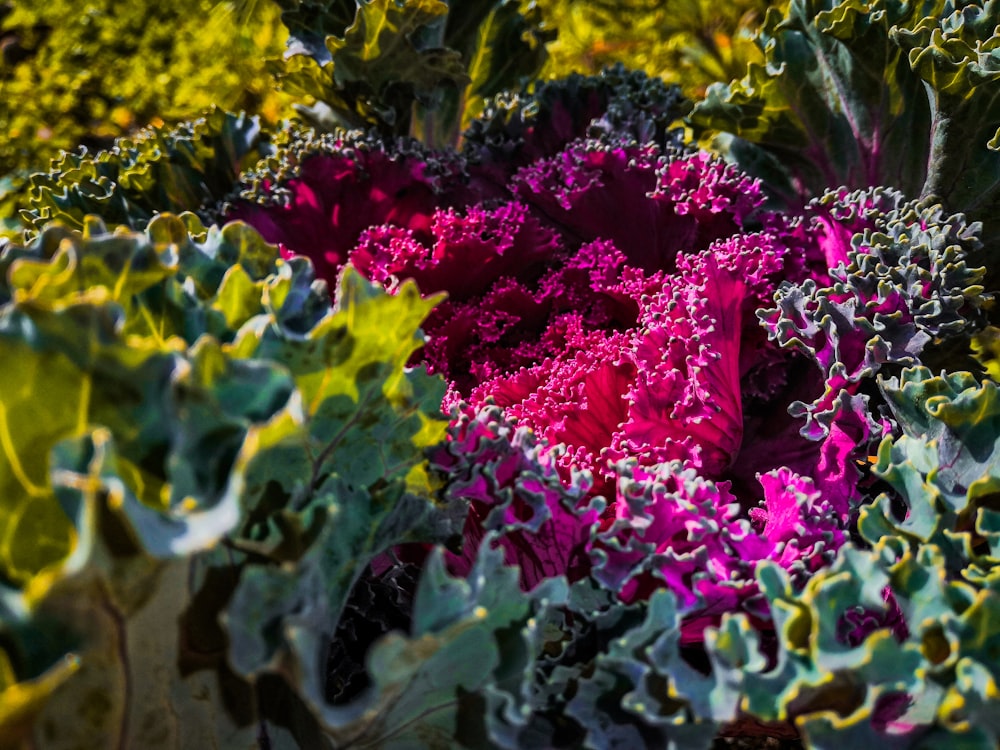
x: 604, y: 298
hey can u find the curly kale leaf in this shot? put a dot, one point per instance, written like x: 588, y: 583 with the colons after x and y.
x: 944, y: 467
x: 187, y: 168
x: 905, y: 292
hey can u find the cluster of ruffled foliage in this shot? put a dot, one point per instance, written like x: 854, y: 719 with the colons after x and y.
x: 190, y: 167
x: 891, y: 644
x: 669, y: 526
x: 603, y: 294
x: 900, y: 292
x: 201, y: 456
x: 870, y: 94
x: 698, y: 478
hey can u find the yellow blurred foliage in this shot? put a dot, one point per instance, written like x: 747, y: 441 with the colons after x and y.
x: 689, y: 42
x: 84, y: 72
